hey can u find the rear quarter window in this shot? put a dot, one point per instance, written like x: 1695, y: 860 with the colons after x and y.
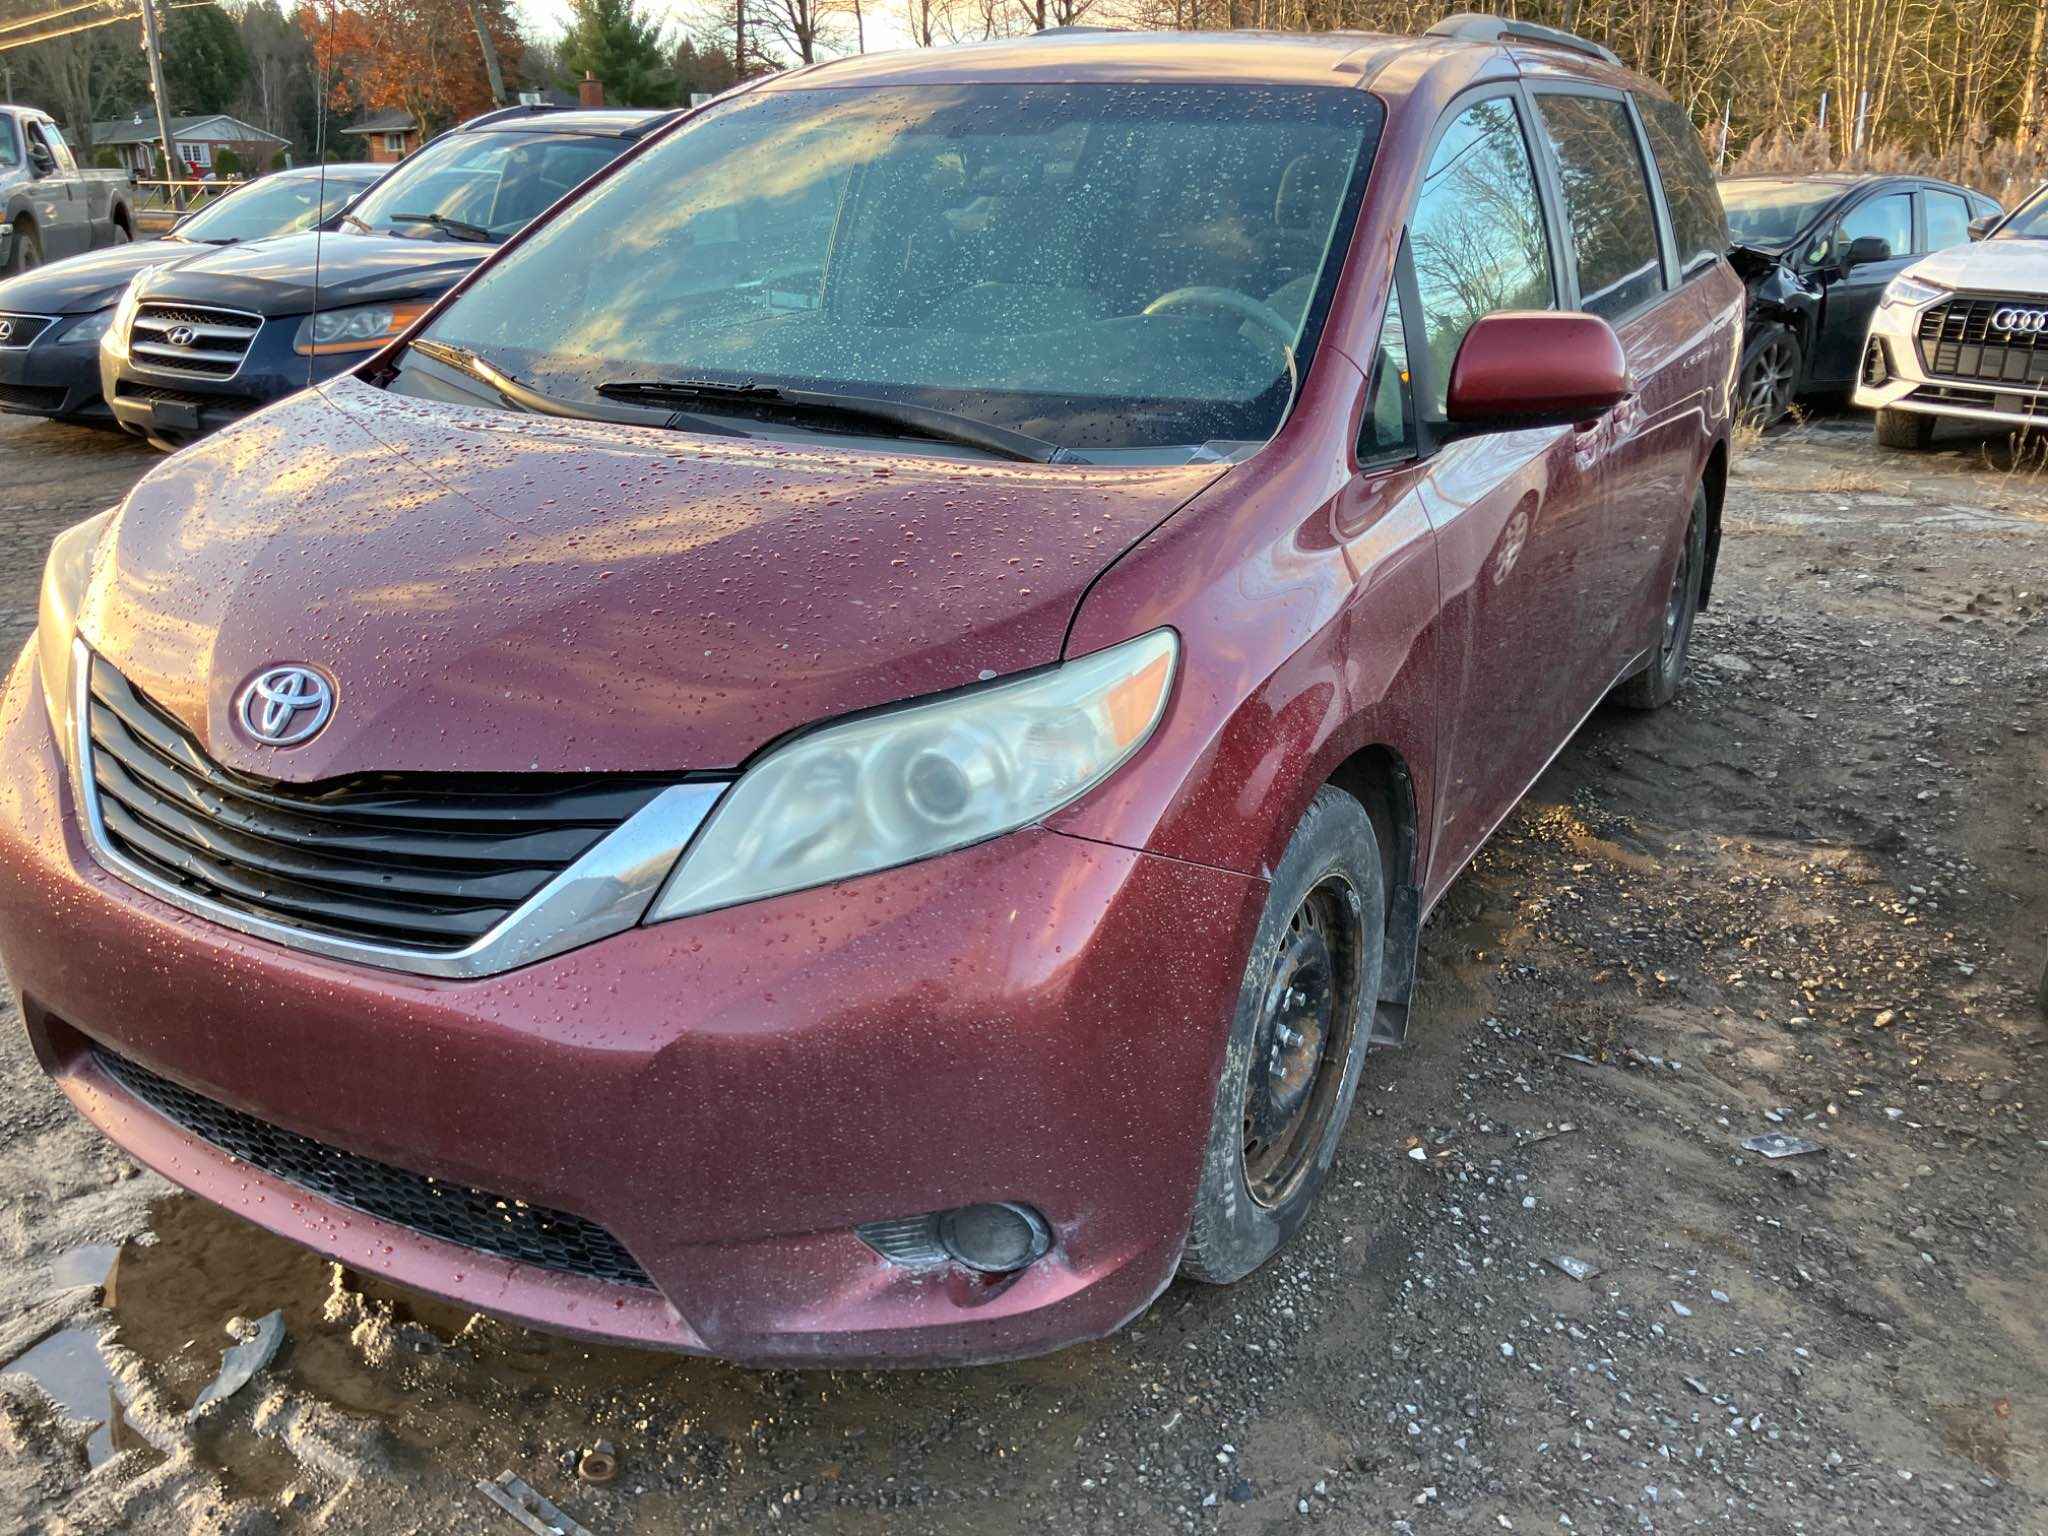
x: 1698, y: 223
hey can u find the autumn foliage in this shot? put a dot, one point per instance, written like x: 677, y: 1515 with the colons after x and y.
x: 421, y: 55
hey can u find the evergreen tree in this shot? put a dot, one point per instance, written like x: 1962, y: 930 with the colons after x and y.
x: 612, y: 40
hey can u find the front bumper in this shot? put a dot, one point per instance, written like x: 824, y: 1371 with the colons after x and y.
x: 1977, y: 383
x: 51, y: 378
x: 1038, y: 1018
x: 168, y: 405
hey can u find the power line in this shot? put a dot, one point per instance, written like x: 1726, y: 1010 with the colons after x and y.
x: 30, y: 21
x: 9, y: 44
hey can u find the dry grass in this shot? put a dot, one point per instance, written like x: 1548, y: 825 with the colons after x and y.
x: 1997, y: 166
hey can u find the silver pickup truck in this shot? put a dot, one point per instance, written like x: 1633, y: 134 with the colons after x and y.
x: 49, y: 208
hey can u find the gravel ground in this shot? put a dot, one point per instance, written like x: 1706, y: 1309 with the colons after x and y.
x: 1547, y: 1289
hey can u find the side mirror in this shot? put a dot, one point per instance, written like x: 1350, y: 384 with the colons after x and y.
x: 1864, y: 250
x: 1984, y: 224
x: 1535, y: 368
x: 41, y: 161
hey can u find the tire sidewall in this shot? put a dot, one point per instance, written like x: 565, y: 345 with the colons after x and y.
x: 1232, y: 1233
x: 1755, y: 349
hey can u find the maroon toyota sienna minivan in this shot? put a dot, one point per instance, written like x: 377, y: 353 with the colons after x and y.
x: 838, y: 757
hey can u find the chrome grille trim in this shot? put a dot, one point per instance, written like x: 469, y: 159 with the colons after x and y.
x: 221, y: 339
x: 606, y: 891
x: 26, y: 329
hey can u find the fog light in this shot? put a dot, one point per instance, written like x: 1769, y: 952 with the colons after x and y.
x: 1877, y: 362
x: 993, y: 1239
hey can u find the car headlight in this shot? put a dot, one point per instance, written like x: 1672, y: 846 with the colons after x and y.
x: 87, y: 332
x: 1911, y: 292
x: 65, y: 575
x: 889, y: 788
x: 359, y: 329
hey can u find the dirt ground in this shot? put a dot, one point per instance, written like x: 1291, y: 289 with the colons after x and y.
x: 1808, y: 898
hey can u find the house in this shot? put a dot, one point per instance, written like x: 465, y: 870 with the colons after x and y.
x: 198, y: 140
x: 391, y: 134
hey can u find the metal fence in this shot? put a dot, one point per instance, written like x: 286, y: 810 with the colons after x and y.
x: 160, y: 204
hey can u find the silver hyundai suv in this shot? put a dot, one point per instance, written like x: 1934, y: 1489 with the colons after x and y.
x: 1964, y: 334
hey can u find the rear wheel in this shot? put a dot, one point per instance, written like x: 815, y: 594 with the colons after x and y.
x: 122, y: 234
x: 1297, y: 1043
x: 1904, y: 429
x: 26, y: 248
x: 1769, y: 376
x: 1657, y: 683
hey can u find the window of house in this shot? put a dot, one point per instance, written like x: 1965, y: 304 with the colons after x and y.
x: 1607, y: 203
x: 1478, y: 236
x: 394, y: 143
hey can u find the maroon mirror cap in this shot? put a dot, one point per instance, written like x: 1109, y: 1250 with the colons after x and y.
x: 1537, y: 368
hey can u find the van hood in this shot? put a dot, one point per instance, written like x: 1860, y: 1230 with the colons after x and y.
x: 491, y: 592
x: 276, y: 277
x: 81, y: 284
x: 2017, y: 267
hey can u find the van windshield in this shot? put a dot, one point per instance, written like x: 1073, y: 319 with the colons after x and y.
x: 1099, y: 266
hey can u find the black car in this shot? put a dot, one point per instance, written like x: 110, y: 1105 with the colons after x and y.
x: 195, y: 347
x: 1817, y: 252
x: 52, y: 318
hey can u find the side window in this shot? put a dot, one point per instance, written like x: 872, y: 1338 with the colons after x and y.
x: 1389, y: 430
x: 1478, y: 236
x: 1606, y: 202
x: 59, y: 148
x: 10, y: 147
x: 1890, y: 218
x: 33, y: 133
x: 1697, y: 221
x: 1948, y: 219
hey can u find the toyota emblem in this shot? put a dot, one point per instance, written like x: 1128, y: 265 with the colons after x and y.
x: 283, y: 706
x: 181, y: 336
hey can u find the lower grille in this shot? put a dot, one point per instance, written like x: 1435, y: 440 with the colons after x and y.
x: 32, y: 397
x: 128, y: 389
x: 179, y: 338
x: 472, y: 1218
x: 420, y: 861
x: 1961, y: 338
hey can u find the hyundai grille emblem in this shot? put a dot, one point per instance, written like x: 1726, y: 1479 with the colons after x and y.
x: 181, y: 336
x: 2010, y: 319
x: 6, y: 330
x: 284, y: 706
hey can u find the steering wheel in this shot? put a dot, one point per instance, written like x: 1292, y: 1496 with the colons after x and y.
x: 1230, y: 301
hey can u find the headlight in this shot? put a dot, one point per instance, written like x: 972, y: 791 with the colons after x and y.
x: 1912, y: 292
x: 87, y: 332
x: 361, y: 329
x: 64, y: 578
x: 908, y: 783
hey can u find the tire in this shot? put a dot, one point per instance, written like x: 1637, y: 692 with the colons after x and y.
x: 122, y: 234
x: 1769, y: 376
x: 1671, y: 642
x: 1908, y: 430
x: 1314, y: 973
x: 25, y: 251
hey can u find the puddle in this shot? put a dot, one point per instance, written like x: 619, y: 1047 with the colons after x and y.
x: 68, y: 1367
x: 90, y: 1265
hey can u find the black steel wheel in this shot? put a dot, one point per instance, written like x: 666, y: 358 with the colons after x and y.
x: 1297, y: 1042
x: 1656, y: 683
x: 1769, y: 377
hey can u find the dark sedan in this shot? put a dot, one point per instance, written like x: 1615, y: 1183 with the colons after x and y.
x: 1816, y: 252
x: 195, y: 347
x: 52, y: 318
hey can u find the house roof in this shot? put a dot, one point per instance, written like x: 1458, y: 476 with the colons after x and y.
x: 214, y: 127
x: 390, y: 120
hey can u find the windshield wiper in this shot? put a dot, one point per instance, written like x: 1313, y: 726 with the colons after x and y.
x: 524, y: 397
x: 917, y: 420
x: 461, y: 229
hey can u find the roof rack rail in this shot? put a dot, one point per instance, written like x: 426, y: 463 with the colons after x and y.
x: 516, y: 109
x: 1475, y: 28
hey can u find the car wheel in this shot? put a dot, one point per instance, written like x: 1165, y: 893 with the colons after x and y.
x: 1769, y: 376
x: 121, y: 233
x: 1909, y: 430
x: 1657, y: 683
x: 26, y: 250
x: 1297, y: 1043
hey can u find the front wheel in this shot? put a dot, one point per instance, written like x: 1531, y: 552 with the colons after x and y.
x: 1657, y: 683
x: 1297, y: 1043
x: 1769, y: 376
x: 1909, y: 430
x: 25, y: 251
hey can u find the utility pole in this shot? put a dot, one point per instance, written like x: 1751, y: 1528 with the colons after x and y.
x: 153, y: 46
x: 739, y: 40
x: 483, y: 38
